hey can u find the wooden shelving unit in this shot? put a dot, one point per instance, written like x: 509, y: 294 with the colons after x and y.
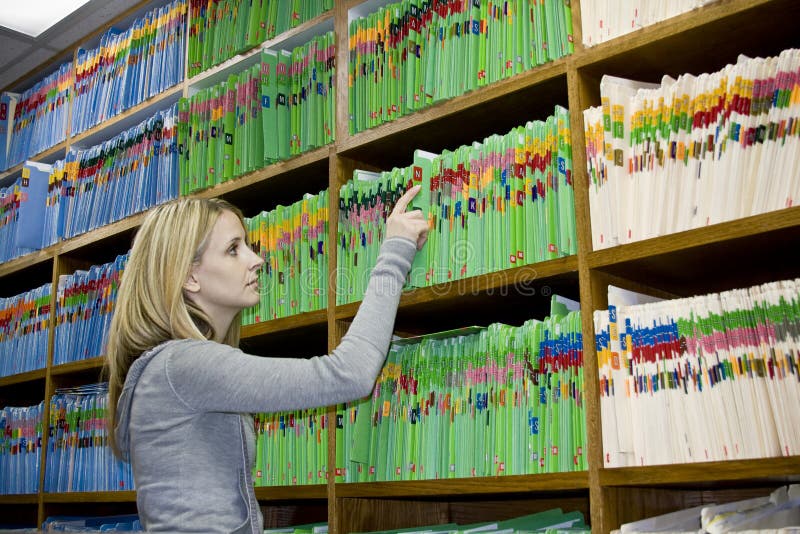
x: 732, y: 254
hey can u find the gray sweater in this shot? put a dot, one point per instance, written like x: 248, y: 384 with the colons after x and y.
x: 183, y: 418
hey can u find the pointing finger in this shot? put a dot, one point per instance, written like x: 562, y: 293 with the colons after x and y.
x: 402, y: 203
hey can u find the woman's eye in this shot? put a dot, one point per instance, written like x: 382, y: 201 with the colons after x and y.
x: 232, y: 251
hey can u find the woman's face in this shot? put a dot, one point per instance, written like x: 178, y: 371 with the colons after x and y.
x: 225, y: 281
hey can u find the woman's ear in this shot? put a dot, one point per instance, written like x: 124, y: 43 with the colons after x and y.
x: 192, y: 283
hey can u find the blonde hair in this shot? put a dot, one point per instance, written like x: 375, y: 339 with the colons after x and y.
x: 151, y: 306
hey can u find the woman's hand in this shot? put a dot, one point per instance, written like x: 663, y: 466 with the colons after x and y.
x: 409, y: 224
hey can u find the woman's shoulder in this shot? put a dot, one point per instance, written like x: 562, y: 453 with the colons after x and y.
x: 195, y: 349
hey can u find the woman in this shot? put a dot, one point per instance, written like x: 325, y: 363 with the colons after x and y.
x: 180, y: 391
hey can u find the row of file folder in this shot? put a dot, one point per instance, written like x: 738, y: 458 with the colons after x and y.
x: 20, y: 448
x: 8, y: 105
x: 129, y: 67
x: 10, y: 199
x: 24, y: 321
x: 310, y: 528
x: 408, y: 55
x: 500, y: 400
x: 776, y: 513
x: 704, y: 378
x: 220, y: 29
x: 553, y: 521
x: 213, y: 134
x: 113, y: 523
x: 291, y: 448
x: 91, y: 187
x: 603, y: 20
x: 21, y: 232
x: 292, y: 240
x: 127, y: 174
x: 280, y: 107
x: 694, y: 151
x: 84, y: 308
x: 78, y: 456
x: 21, y: 206
x: 39, y: 116
x: 493, y: 205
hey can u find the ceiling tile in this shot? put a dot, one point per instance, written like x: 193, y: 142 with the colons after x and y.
x: 12, y: 46
x: 18, y: 68
x: 84, y: 21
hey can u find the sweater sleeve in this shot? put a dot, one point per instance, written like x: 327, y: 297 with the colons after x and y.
x: 212, y: 377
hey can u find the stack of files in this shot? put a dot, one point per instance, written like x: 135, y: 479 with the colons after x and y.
x: 8, y: 106
x: 475, y: 402
x: 9, y: 212
x: 292, y: 240
x: 127, y: 174
x: 129, y: 67
x: 311, y: 528
x: 291, y: 448
x: 278, y: 108
x: 365, y: 203
x: 21, y: 211
x: 22, y: 207
x: 777, y: 512
x: 112, y: 523
x: 84, y: 308
x: 313, y: 94
x: 410, y: 54
x: 24, y: 321
x: 695, y: 151
x: 78, y: 455
x: 20, y: 448
x: 220, y: 29
x: 494, y: 205
x: 704, y: 378
x: 551, y: 521
x: 300, y: 12
x: 40, y: 117
x: 603, y: 20
x: 217, y: 124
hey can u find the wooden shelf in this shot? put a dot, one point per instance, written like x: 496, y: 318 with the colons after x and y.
x: 81, y: 366
x: 99, y: 240
x: 51, y: 154
x: 784, y: 470
x: 512, y: 296
x: 8, y: 173
x: 758, y: 248
x: 486, y: 282
x: 48, y: 155
x: 548, y: 483
x: 299, y: 336
x: 275, y: 493
x: 25, y: 262
x: 283, y: 324
x: 91, y: 497
x: 283, y: 182
x: 22, y: 378
x: 28, y: 498
x: 292, y: 493
x: 732, y: 27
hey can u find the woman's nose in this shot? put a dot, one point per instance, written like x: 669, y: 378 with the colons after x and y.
x: 257, y: 262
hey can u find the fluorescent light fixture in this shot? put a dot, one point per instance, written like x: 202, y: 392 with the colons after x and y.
x: 32, y: 17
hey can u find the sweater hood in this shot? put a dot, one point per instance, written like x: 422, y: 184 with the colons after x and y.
x: 121, y: 430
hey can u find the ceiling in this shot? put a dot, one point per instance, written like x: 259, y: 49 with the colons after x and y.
x: 21, y: 54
